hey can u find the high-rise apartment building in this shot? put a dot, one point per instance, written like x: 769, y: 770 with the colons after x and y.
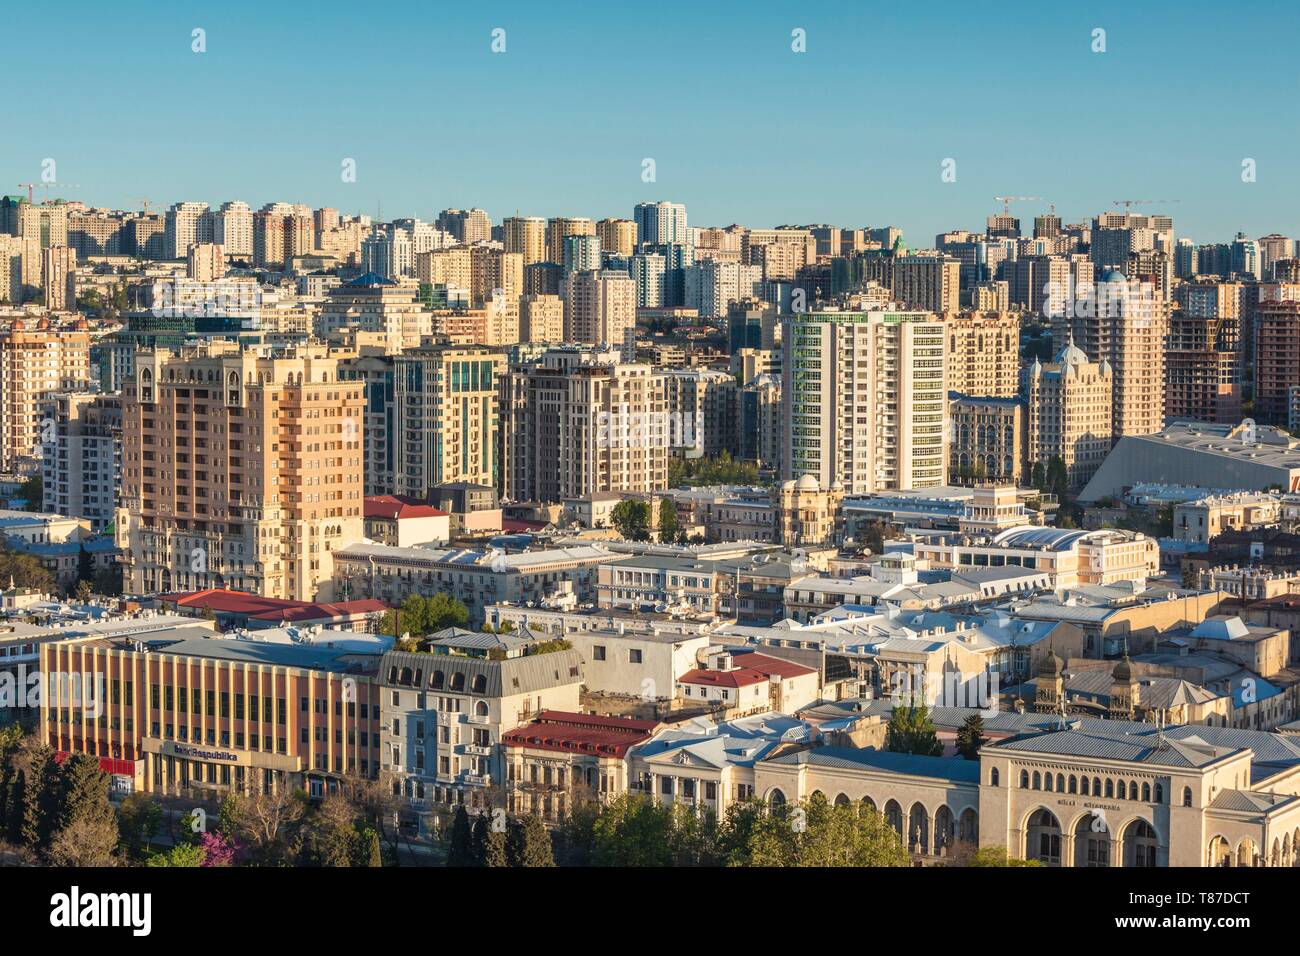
x: 581, y: 253
x: 661, y: 223
x: 617, y: 236
x: 932, y: 283
x: 20, y: 269
x: 232, y: 229
x: 983, y: 353
x: 241, y: 468
x: 1123, y: 323
x: 541, y: 318
x: 1070, y: 414
x: 599, y: 307
x: 702, y: 406
x: 185, y: 224
x: 467, y: 225
x: 865, y: 399
x: 47, y: 223
x: 1203, y: 368
x: 1277, y: 357
x: 711, y: 286
x: 205, y: 262
x: 446, y: 417
x: 59, y: 278
x: 560, y: 227
x: 579, y: 421
x: 370, y: 303
x: 36, y: 364
x: 81, y: 466
x: 525, y: 235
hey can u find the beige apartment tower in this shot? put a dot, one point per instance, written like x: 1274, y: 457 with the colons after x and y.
x: 1070, y: 414
x: 35, y: 365
x: 984, y: 353
x: 579, y: 421
x: 241, y: 468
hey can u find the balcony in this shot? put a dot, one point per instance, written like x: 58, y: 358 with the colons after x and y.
x: 476, y: 780
x: 475, y: 750
x: 477, y: 719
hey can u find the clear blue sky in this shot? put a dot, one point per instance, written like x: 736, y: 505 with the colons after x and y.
x: 741, y: 128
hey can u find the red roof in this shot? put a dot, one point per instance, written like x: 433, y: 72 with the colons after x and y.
x: 521, y: 525
x: 756, y: 669
x: 226, y: 601
x: 567, y: 732
x: 399, y: 507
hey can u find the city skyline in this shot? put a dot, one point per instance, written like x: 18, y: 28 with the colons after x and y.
x: 724, y: 152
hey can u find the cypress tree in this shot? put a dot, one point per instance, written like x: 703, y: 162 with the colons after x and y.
x: 460, y: 851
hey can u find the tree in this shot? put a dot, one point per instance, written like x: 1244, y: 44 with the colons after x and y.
x: 217, y: 850
x: 970, y: 737
x: 442, y: 610
x: 1038, y: 477
x: 330, y: 834
x: 489, y: 843
x: 1058, y: 478
x: 269, y: 823
x: 632, y: 519
x: 85, y: 574
x: 32, y: 492
x: 26, y: 570
x: 911, y: 731
x: 997, y: 856
x: 374, y: 856
x: 668, y: 525
x: 529, y: 844
x: 138, y: 818
x: 87, y: 841
x: 108, y: 580
x: 182, y: 854
x: 460, y: 848
x: 38, y: 795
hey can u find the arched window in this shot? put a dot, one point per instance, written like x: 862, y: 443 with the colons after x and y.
x: 1096, y: 786
x: 1060, y: 783
x: 480, y: 708
x: 458, y: 680
x: 1047, y: 782
x: 1160, y: 793
x: 1024, y: 780
x: 1146, y: 793
x: 438, y: 680
x: 480, y: 683
x: 993, y: 776
x: 1037, y: 782
x: 1074, y: 784
x: 1110, y: 788
x: 1187, y: 796
x: 1083, y: 786
x: 1121, y: 791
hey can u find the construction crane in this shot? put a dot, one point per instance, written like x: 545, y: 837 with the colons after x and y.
x: 29, y: 187
x: 1008, y: 200
x: 1128, y: 204
x: 145, y: 201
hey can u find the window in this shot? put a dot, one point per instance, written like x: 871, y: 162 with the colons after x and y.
x: 634, y: 656
x: 597, y: 652
x: 993, y: 776
x: 1187, y: 796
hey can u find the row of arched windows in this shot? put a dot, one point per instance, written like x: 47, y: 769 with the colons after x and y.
x: 1119, y: 789
x: 438, y: 681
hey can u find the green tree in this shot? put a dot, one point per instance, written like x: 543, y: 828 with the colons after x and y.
x: 489, y: 843
x: 1038, y: 477
x: 182, y: 854
x: 87, y: 841
x: 970, y: 737
x: 442, y: 610
x: 1058, y: 478
x: 911, y: 731
x: 32, y: 492
x: 632, y: 519
x: 138, y: 819
x: 40, y: 792
x: 668, y: 524
x: 997, y: 856
x: 460, y: 848
x: 632, y: 830
x: 374, y: 856
x: 529, y: 843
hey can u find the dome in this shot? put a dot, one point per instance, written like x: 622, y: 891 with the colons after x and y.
x: 1072, y: 355
x: 837, y: 485
x: 1123, y: 671
x: 1114, y: 275
x: 787, y: 485
x: 808, y: 483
